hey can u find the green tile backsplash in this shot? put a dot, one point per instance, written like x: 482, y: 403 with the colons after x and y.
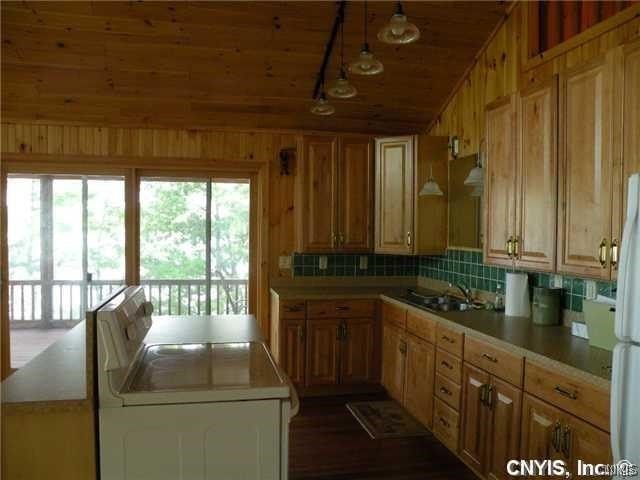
x: 456, y: 266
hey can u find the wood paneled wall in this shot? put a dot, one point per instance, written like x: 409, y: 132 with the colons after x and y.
x: 500, y: 70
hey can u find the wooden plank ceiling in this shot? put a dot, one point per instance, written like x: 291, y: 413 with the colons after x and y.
x: 227, y: 64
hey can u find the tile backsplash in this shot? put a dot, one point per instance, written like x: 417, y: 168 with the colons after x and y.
x: 455, y: 266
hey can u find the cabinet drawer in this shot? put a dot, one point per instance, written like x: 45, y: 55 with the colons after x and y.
x: 448, y: 366
x: 421, y: 326
x: 447, y: 391
x: 292, y: 309
x: 449, y: 340
x: 446, y: 424
x: 496, y: 361
x: 395, y: 315
x: 573, y: 395
x: 340, y: 308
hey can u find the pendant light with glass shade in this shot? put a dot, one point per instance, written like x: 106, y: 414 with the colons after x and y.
x: 366, y: 63
x: 322, y: 106
x: 341, y: 88
x: 399, y: 30
x: 430, y: 187
x: 476, y: 175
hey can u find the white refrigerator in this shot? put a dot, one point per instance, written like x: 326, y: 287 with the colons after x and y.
x: 625, y: 381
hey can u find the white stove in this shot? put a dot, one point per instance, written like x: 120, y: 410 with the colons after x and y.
x: 190, y: 410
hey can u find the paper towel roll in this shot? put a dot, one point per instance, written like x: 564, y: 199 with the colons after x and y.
x: 517, y: 295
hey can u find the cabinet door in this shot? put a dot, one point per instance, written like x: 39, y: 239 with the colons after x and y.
x: 393, y: 361
x: 475, y: 417
x: 394, y: 195
x: 318, y: 195
x: 355, y: 198
x: 292, y: 357
x: 357, y: 357
x: 504, y: 428
x: 585, y: 170
x: 500, y: 181
x: 419, y: 380
x: 323, y: 348
x: 582, y: 441
x: 539, y: 423
x: 629, y: 155
x: 537, y: 186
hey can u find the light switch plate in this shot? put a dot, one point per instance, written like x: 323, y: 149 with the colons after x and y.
x: 557, y: 281
x: 364, y: 262
x: 590, y: 291
x: 579, y: 329
x: 284, y: 262
x: 322, y: 262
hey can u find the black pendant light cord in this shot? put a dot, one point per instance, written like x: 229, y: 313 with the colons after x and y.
x: 365, y: 25
x: 328, y: 49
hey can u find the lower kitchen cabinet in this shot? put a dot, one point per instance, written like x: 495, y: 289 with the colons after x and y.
x: 490, y: 423
x: 393, y: 361
x: 420, y: 372
x: 548, y: 432
x: 357, y: 355
x: 323, y: 350
x: 503, y: 436
x: 292, y: 352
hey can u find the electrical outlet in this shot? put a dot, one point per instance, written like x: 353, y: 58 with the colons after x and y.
x: 364, y: 262
x: 590, y: 291
x: 557, y: 281
x: 322, y: 262
x: 284, y: 262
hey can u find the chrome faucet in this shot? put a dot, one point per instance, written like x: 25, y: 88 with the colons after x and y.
x: 465, y: 291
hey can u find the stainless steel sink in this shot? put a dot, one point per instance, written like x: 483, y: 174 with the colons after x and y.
x: 442, y: 303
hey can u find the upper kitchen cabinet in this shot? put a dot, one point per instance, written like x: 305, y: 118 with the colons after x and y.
x: 521, y: 185
x: 335, y: 186
x: 537, y: 181
x: 406, y: 223
x: 500, y: 185
x: 586, y: 171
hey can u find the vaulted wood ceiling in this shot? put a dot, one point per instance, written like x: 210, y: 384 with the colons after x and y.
x: 227, y: 64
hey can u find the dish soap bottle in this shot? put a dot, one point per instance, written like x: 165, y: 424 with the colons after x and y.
x: 498, y: 303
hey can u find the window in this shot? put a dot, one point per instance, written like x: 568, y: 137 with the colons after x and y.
x: 66, y: 252
x: 194, y: 245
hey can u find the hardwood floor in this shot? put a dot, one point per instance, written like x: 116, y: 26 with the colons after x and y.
x: 326, y: 442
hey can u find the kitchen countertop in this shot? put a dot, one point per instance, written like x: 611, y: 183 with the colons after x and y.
x: 58, y: 374
x: 552, y: 346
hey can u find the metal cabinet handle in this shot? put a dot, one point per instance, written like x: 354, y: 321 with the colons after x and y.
x: 510, y: 246
x: 344, y: 331
x: 448, y: 339
x: 342, y: 309
x: 516, y: 247
x: 490, y: 396
x: 444, y: 363
x: 408, y: 239
x: 566, y: 393
x: 614, y: 253
x: 301, y: 334
x: 490, y: 358
x: 602, y: 253
x: 445, y: 391
x: 403, y: 347
x: 555, y: 437
x: 341, y: 239
x: 444, y: 422
x: 483, y: 394
x: 566, y: 442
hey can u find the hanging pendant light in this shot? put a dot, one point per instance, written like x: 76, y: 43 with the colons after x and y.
x: 341, y: 88
x: 366, y: 63
x: 322, y: 106
x: 431, y: 187
x: 399, y: 30
x: 476, y: 175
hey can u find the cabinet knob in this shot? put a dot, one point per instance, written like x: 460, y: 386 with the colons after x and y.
x: 408, y: 239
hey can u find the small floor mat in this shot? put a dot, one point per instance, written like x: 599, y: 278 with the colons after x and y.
x: 386, y: 419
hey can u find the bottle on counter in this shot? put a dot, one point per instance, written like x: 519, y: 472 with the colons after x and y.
x: 498, y: 302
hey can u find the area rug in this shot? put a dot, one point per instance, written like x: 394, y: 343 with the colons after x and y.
x: 386, y: 419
